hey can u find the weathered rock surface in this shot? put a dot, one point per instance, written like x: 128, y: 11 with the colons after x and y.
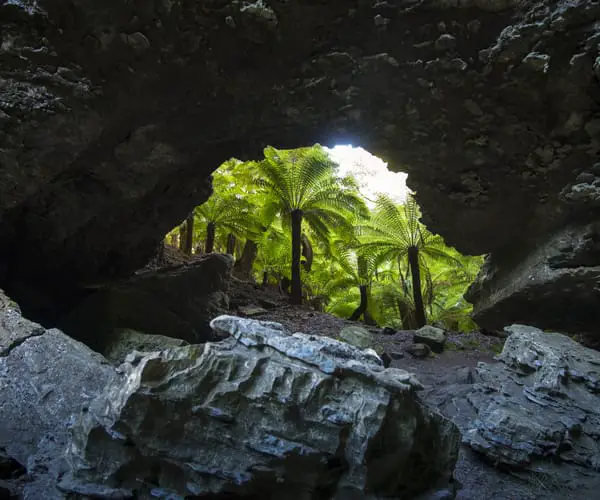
x: 124, y: 341
x: 356, y: 336
x: 251, y: 310
x: 537, y: 409
x: 265, y: 411
x: 557, y: 286
x: 46, y: 379
x: 432, y: 336
x: 113, y: 114
x: 179, y: 301
x: 419, y: 350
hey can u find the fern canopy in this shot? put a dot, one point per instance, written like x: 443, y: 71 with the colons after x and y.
x: 312, y: 228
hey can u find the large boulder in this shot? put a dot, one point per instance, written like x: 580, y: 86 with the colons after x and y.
x: 46, y: 380
x: 266, y: 414
x: 180, y: 300
x: 541, y: 403
x: 537, y: 410
x: 554, y: 287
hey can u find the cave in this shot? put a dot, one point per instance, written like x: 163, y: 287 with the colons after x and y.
x: 113, y: 115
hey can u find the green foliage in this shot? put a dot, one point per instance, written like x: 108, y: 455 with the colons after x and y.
x: 301, y: 186
x: 386, y: 252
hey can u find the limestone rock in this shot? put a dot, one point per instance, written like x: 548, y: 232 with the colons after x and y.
x: 554, y: 287
x: 46, y: 379
x: 432, y: 336
x: 356, y: 336
x: 549, y: 411
x: 419, y: 350
x: 250, y: 310
x: 262, y: 413
x: 179, y: 300
x: 388, y: 330
x: 124, y: 341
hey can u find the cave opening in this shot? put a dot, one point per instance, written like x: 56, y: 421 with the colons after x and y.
x: 371, y: 259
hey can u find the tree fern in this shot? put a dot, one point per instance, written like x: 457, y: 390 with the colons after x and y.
x: 303, y: 187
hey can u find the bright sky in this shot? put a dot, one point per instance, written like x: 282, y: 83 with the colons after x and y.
x: 370, y: 172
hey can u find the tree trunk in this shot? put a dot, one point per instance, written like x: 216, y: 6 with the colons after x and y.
x: 189, y: 234
x: 210, y: 237
x: 296, y: 255
x: 243, y: 266
x: 362, y: 307
x: 182, y: 237
x: 265, y: 280
x: 369, y: 320
x: 161, y: 252
x: 284, y: 286
x: 413, y: 260
x: 405, y: 316
x: 231, y: 244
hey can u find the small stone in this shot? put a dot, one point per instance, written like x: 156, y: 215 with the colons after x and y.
x: 592, y: 128
x: 356, y: 336
x: 445, y: 42
x: 251, y: 310
x: 386, y: 358
x: 381, y: 21
x: 586, y: 177
x: 474, y: 26
x: 388, y: 330
x: 137, y: 41
x: 431, y: 336
x: 419, y: 350
x: 268, y: 303
x: 537, y: 61
x: 458, y: 64
x: 230, y: 21
x: 473, y: 108
x: 396, y: 354
x: 261, y: 12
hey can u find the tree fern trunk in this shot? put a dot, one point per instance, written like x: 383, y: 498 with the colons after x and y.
x: 413, y: 260
x: 296, y: 255
x: 210, y: 237
x: 243, y: 266
x: 369, y: 320
x: 230, y: 244
x: 189, y: 234
x: 362, y: 307
x: 161, y: 252
x: 182, y: 237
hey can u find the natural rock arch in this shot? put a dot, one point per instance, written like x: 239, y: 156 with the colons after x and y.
x: 113, y: 115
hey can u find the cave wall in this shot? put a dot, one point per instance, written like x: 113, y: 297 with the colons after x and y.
x: 113, y: 114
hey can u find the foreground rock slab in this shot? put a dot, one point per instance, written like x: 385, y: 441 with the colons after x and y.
x: 536, y: 411
x: 46, y: 378
x: 542, y: 402
x: 262, y: 413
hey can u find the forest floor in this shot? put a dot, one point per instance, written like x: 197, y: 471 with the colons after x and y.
x: 477, y: 479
